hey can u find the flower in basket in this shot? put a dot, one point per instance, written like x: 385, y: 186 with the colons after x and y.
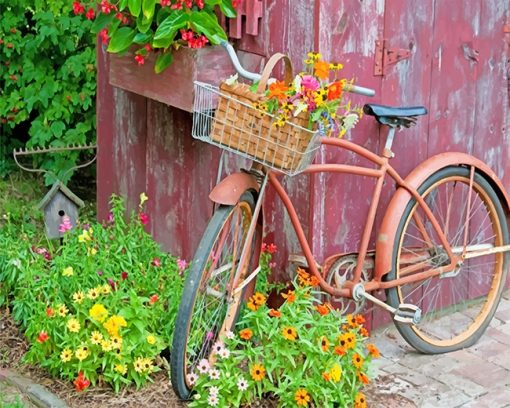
x: 156, y: 26
x: 312, y: 93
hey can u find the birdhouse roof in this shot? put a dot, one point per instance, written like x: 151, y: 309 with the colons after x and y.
x: 58, y: 186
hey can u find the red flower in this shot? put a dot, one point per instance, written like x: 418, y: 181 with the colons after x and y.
x: 153, y: 299
x: 147, y: 47
x: 49, y: 312
x: 81, y: 382
x: 124, y: 275
x: 103, y: 34
x: 236, y: 3
x: 141, y: 60
x: 107, y: 7
x: 271, y: 248
x: 156, y: 262
x: 43, y: 336
x: 165, y: 3
x: 90, y: 14
x: 78, y: 8
x: 144, y: 218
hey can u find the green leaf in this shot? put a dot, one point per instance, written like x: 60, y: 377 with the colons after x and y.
x: 227, y: 9
x: 121, y: 40
x: 209, y: 26
x: 135, y: 7
x: 101, y: 22
x: 163, y: 62
x: 143, y: 24
x: 148, y: 8
x: 142, y: 38
x: 168, y: 28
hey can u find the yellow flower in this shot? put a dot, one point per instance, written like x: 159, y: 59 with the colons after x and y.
x: 289, y: 333
x: 62, y: 310
x: 360, y: 401
x: 121, y: 368
x: 336, y: 67
x: 91, y: 251
x: 98, y: 312
x: 258, y: 372
x: 147, y: 364
x: 106, y: 345
x: 93, y: 293
x: 348, y: 340
x: 357, y: 360
x: 68, y: 271
x: 143, y: 199
x: 336, y: 373
x: 106, y: 289
x: 85, y: 235
x: 138, y: 364
x: 66, y: 355
x: 78, y: 297
x: 73, y: 325
x: 151, y: 339
x: 113, y: 324
x: 96, y: 337
x: 116, y: 342
x: 82, y: 353
x: 302, y: 397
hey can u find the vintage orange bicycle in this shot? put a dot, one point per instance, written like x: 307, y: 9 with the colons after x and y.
x: 439, y: 252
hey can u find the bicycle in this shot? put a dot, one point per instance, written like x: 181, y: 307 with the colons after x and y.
x: 439, y: 250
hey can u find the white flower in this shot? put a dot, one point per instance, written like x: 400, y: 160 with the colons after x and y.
x: 16, y: 263
x: 232, y: 79
x: 192, y: 378
x: 242, y: 384
x: 203, y: 366
x: 214, y: 391
x: 297, y: 83
x: 224, y: 353
x: 350, y: 121
x: 218, y: 346
x: 212, y: 400
x: 230, y: 335
x: 214, y: 374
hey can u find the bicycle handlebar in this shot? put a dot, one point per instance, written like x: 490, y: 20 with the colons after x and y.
x: 252, y: 76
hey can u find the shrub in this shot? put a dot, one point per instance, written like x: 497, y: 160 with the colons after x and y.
x: 100, y: 307
x: 302, y: 354
x: 47, y: 78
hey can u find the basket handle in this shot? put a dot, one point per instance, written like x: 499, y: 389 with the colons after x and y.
x: 269, y: 68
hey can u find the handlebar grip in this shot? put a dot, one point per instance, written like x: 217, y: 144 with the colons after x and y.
x: 360, y: 90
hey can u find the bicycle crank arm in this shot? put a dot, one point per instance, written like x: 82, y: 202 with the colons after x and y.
x: 406, y: 313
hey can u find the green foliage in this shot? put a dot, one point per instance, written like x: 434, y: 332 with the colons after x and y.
x: 303, y: 354
x: 158, y: 25
x: 102, y: 303
x: 47, y: 78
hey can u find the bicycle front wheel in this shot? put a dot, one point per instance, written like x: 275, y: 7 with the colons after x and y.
x: 456, y: 306
x: 210, y: 305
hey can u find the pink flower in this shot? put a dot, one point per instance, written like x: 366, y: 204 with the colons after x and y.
x: 310, y: 83
x: 112, y: 283
x: 144, y: 218
x: 165, y: 3
x: 78, y: 8
x: 66, y: 225
x: 103, y: 34
x: 140, y: 59
x: 156, y: 262
x: 153, y: 299
x: 203, y: 366
x: 182, y: 265
x: 90, y: 14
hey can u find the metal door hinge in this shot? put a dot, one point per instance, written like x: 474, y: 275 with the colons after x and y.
x: 385, y: 56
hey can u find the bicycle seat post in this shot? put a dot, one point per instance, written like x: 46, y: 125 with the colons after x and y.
x: 389, y: 142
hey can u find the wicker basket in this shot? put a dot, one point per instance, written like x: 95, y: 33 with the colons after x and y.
x: 240, y: 126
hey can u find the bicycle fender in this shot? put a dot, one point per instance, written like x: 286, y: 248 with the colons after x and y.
x: 232, y: 187
x: 388, y: 230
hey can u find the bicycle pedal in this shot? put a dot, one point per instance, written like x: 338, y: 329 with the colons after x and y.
x: 407, y: 314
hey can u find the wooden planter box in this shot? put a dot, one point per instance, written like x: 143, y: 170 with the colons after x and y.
x: 174, y: 86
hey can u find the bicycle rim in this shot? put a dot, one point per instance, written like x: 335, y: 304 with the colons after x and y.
x: 456, y: 306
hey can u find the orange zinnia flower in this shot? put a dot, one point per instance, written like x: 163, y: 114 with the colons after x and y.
x: 372, y: 349
x: 364, y: 332
x: 348, y: 341
x: 352, y: 321
x: 357, y: 360
x: 277, y: 90
x: 274, y: 313
x: 289, y: 296
x: 258, y: 298
x: 323, y: 309
x: 289, y: 333
x: 340, y: 350
x: 43, y: 336
x: 359, y: 319
x: 326, y: 376
x: 246, y: 334
x: 321, y: 69
x: 302, y: 397
x: 335, y: 91
x: 257, y: 372
x: 324, y: 344
x: 363, y: 377
x: 360, y: 401
x: 252, y: 306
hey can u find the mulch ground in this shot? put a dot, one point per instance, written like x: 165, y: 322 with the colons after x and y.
x: 156, y: 395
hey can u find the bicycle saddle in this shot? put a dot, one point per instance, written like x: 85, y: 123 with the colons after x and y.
x: 398, y: 116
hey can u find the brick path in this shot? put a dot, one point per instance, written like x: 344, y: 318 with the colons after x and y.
x: 478, y: 377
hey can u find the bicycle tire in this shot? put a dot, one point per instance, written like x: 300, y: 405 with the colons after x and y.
x: 189, y: 322
x: 465, y: 299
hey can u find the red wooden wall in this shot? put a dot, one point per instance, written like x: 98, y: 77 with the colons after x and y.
x: 459, y: 68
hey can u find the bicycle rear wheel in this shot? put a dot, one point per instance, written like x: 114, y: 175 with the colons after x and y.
x: 209, y: 306
x: 456, y: 306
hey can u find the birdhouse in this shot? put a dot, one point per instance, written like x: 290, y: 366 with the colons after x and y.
x: 58, y: 203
